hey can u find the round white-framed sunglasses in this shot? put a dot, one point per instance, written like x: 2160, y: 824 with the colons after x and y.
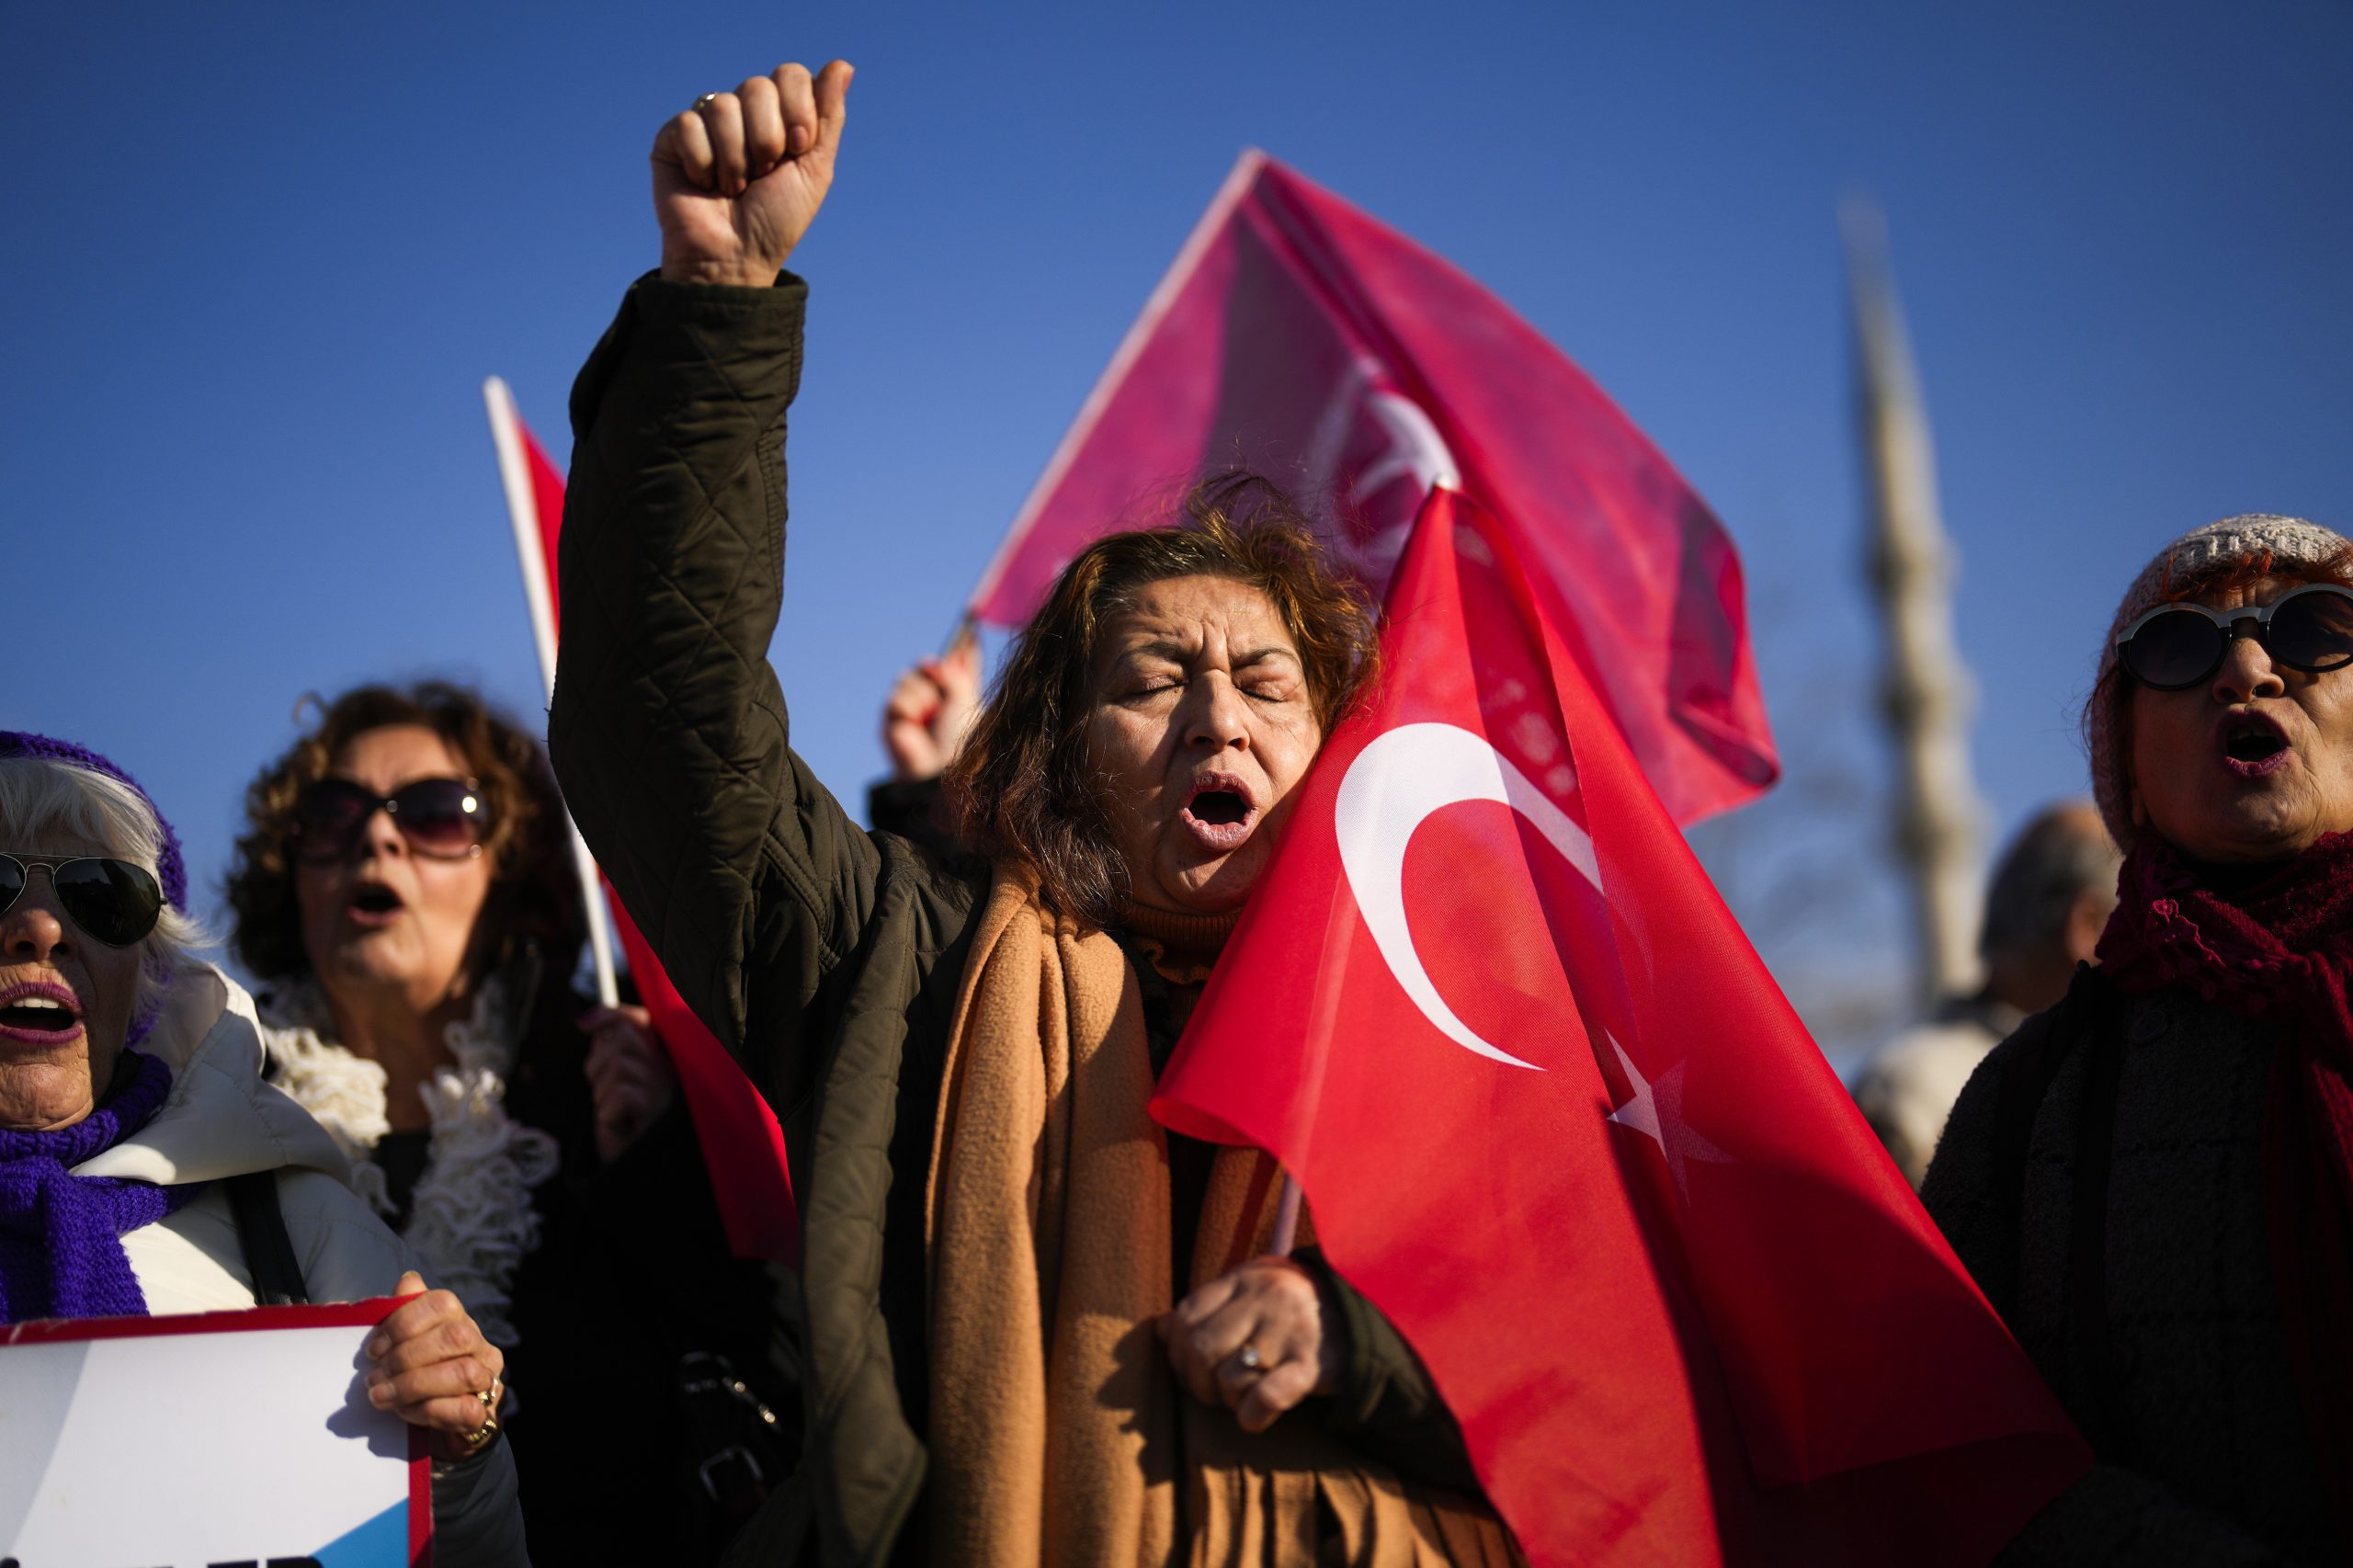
x: 2176, y: 646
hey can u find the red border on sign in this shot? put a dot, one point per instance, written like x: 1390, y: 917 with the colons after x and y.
x: 338, y: 1314
x: 255, y: 1319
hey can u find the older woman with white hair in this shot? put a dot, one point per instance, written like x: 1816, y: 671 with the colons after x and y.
x: 146, y: 1168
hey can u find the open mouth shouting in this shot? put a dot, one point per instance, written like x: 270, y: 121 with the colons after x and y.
x: 39, y: 1012
x: 372, y: 906
x: 1219, y: 811
x: 2253, y: 745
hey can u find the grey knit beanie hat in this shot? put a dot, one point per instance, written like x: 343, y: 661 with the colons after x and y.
x: 2291, y: 542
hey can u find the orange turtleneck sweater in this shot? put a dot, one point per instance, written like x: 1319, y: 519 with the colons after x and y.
x: 1181, y: 947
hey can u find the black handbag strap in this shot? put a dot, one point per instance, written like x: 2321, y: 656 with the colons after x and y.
x: 731, y: 1436
x: 261, y: 1233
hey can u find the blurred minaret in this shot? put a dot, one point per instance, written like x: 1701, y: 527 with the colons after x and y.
x: 1926, y: 689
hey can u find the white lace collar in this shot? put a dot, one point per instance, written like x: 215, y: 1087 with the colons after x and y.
x: 470, y: 1215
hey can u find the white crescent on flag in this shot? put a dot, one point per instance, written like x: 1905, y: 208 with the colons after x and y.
x: 1393, y: 785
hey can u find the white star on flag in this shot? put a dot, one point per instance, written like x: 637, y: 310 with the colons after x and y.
x: 1656, y: 1112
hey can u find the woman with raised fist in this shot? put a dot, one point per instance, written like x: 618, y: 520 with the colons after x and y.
x: 1033, y: 1326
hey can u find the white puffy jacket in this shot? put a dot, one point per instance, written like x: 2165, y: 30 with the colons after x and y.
x: 222, y: 1119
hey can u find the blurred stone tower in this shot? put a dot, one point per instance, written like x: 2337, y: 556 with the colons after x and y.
x: 1926, y: 692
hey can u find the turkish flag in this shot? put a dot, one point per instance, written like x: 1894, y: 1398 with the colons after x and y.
x: 547, y: 505
x: 1298, y: 337
x: 1554, y: 1118
x: 743, y: 1147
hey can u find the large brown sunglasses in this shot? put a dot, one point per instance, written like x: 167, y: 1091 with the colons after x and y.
x: 442, y: 819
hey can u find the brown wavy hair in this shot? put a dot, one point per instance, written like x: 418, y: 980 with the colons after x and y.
x: 534, y: 899
x: 1024, y: 788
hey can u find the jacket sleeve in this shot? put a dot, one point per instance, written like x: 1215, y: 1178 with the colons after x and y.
x: 668, y: 728
x: 1386, y: 1406
x: 477, y: 1513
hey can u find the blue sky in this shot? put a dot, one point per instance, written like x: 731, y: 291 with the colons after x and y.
x: 257, y: 260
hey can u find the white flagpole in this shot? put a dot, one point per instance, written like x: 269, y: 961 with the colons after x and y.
x: 523, y: 511
x: 1286, y: 1234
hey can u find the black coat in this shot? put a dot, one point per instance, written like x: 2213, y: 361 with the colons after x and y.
x: 2102, y: 1177
x: 632, y: 1275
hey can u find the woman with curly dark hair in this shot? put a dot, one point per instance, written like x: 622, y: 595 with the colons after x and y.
x: 405, y: 891
x: 1036, y: 1328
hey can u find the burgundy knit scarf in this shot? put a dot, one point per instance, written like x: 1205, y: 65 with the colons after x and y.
x: 2281, y: 948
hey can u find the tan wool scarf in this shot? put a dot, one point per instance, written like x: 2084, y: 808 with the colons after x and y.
x: 1057, y: 1433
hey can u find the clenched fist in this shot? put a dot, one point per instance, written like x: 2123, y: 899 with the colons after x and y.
x: 738, y: 177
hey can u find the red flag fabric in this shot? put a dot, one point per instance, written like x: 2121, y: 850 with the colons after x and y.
x: 1300, y: 338
x: 743, y: 1147
x: 547, y: 505
x: 1554, y: 1118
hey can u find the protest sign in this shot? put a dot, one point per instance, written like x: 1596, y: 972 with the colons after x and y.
x: 214, y: 1438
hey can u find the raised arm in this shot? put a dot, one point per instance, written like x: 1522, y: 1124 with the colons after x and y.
x: 668, y: 728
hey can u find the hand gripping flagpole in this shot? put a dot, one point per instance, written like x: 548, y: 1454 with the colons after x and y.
x: 523, y: 511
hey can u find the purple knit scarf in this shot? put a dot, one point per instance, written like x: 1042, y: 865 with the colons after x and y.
x: 61, y: 1235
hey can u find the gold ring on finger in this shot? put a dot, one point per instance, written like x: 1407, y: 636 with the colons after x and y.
x: 1248, y: 1356
x: 704, y: 102
x: 480, y: 1436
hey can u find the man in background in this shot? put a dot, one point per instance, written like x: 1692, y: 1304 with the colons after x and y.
x: 2050, y: 897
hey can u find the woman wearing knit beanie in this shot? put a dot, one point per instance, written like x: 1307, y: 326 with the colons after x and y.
x: 147, y: 1169
x: 2153, y: 1180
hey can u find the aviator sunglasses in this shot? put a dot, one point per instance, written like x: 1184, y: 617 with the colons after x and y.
x: 443, y: 818
x: 2176, y: 646
x: 114, y: 901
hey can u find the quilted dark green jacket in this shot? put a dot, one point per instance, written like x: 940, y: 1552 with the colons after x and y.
x: 826, y: 958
